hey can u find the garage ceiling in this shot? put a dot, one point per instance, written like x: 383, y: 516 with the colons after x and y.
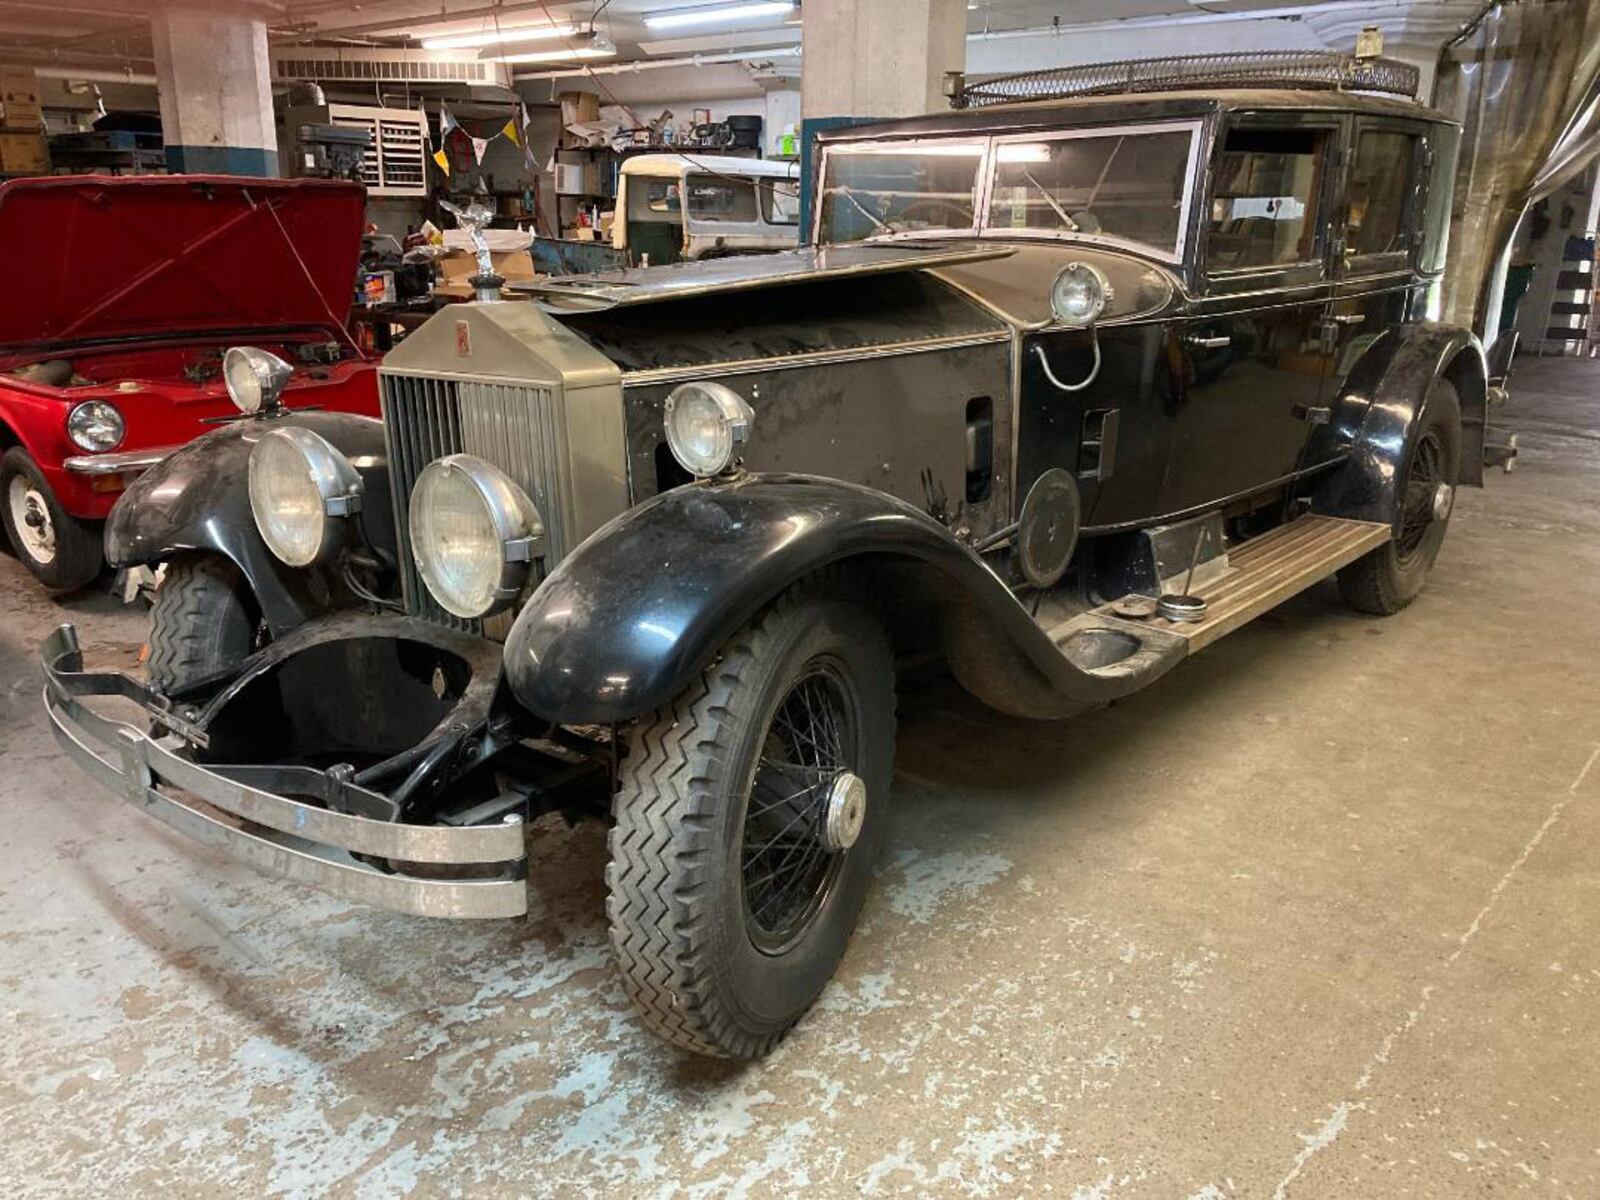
x: 113, y: 35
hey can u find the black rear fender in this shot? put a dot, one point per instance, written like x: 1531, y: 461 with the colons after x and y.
x: 1384, y: 397
x: 198, y: 499
x: 627, y: 620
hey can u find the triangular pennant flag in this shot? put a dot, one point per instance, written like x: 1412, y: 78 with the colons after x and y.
x: 510, y: 131
x: 446, y: 122
x: 479, y: 145
x: 528, y: 159
x: 443, y: 159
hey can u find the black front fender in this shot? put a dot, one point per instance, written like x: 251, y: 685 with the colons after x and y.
x: 623, y: 624
x: 198, y: 498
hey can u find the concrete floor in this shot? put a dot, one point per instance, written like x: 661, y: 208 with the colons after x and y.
x: 1316, y: 915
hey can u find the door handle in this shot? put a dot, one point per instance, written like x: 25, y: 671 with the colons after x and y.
x: 1208, y: 343
x: 1348, y: 318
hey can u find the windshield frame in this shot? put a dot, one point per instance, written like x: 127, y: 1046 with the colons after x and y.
x: 983, y: 197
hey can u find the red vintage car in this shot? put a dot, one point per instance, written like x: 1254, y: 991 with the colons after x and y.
x: 123, y: 297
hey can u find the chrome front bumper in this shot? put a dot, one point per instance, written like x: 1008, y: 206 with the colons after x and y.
x: 127, y: 462
x: 296, y: 840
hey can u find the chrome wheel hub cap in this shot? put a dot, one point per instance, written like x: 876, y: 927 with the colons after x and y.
x: 846, y: 812
x: 30, y: 517
x: 1444, y: 500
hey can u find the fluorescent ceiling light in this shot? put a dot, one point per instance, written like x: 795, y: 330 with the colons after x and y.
x: 739, y: 10
x: 494, y: 37
x: 595, y: 48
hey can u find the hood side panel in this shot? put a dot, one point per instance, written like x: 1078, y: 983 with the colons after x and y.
x: 820, y: 317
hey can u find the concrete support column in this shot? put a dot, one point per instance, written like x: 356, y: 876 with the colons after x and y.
x: 215, y: 85
x: 869, y: 60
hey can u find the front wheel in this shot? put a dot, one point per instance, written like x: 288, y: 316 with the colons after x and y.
x: 748, y: 819
x: 1387, y: 579
x: 203, y: 623
x: 62, y: 552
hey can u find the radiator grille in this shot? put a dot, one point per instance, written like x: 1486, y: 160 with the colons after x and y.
x: 512, y: 426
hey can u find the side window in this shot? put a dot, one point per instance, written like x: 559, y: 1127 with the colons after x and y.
x: 1378, y: 220
x: 652, y: 199
x: 716, y: 199
x: 1264, y: 200
x: 780, y: 202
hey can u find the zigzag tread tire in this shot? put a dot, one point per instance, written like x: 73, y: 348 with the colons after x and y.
x: 675, y: 888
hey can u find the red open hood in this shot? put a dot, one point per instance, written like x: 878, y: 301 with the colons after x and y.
x: 90, y: 257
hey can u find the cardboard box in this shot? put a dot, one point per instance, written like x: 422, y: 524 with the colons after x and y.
x: 576, y: 108
x: 24, y: 154
x: 20, y: 110
x: 458, y: 266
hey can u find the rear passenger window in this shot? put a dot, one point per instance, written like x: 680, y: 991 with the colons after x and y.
x: 1264, y: 200
x: 1378, y: 220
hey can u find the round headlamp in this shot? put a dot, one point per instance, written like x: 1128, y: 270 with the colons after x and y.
x: 707, y: 425
x: 1079, y: 294
x: 474, y: 535
x: 95, y: 425
x: 255, y: 378
x: 298, y: 481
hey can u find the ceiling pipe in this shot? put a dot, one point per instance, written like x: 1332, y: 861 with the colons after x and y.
x: 97, y: 75
x: 654, y: 64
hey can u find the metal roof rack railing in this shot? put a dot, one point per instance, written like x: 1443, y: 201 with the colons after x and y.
x: 1269, y: 68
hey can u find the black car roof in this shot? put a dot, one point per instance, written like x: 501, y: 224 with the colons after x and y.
x: 1144, y: 106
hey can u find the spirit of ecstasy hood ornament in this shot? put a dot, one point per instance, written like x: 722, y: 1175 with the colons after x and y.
x: 475, y: 218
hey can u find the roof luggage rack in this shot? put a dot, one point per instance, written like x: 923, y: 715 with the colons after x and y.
x: 1320, y: 70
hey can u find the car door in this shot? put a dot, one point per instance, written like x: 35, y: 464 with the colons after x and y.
x: 1253, y: 349
x: 1377, y: 228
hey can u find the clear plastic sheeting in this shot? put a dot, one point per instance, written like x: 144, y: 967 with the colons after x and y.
x: 1522, y: 81
x: 1318, y: 70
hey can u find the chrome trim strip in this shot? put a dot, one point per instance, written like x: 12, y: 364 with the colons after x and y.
x: 810, y: 358
x: 1219, y: 502
x: 116, y: 464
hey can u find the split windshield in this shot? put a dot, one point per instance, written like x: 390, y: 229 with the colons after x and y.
x: 1125, y: 184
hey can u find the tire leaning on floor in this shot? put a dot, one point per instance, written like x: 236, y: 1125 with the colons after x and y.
x: 1387, y: 579
x: 203, y: 622
x: 723, y: 802
x: 62, y: 552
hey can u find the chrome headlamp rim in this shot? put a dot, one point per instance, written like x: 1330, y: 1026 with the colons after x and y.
x: 338, y: 484
x: 86, y: 411
x: 1099, y: 289
x: 255, y: 379
x: 732, y: 410
x: 517, y: 524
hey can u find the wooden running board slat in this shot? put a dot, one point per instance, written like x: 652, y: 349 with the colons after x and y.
x: 1267, y: 570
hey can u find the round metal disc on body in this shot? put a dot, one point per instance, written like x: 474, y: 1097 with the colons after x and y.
x: 846, y: 812
x: 1444, y: 500
x: 1181, y: 608
x: 1134, y: 606
x: 1047, y: 531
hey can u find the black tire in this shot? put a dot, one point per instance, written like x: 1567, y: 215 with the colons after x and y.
x: 203, y: 623
x: 62, y: 552
x: 1387, y: 579
x: 711, y: 969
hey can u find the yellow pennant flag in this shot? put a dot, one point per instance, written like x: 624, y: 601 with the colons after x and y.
x: 443, y: 159
x: 510, y: 131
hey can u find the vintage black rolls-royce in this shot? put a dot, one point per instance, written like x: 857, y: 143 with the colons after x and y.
x: 1065, y: 390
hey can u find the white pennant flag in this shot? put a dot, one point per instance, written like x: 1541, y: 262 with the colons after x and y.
x: 479, y: 145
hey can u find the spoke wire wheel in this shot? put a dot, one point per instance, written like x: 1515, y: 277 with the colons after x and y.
x: 1424, y: 474
x: 30, y: 517
x: 787, y: 863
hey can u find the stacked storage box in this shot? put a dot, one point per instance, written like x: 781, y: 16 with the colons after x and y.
x: 22, y: 145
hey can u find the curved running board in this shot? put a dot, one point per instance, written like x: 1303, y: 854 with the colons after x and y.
x: 1262, y: 573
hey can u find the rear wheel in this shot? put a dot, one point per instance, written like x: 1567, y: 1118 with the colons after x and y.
x: 1387, y: 579
x: 203, y: 623
x: 749, y: 816
x: 62, y: 552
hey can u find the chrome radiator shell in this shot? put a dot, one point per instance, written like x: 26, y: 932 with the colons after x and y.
x: 510, y: 385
